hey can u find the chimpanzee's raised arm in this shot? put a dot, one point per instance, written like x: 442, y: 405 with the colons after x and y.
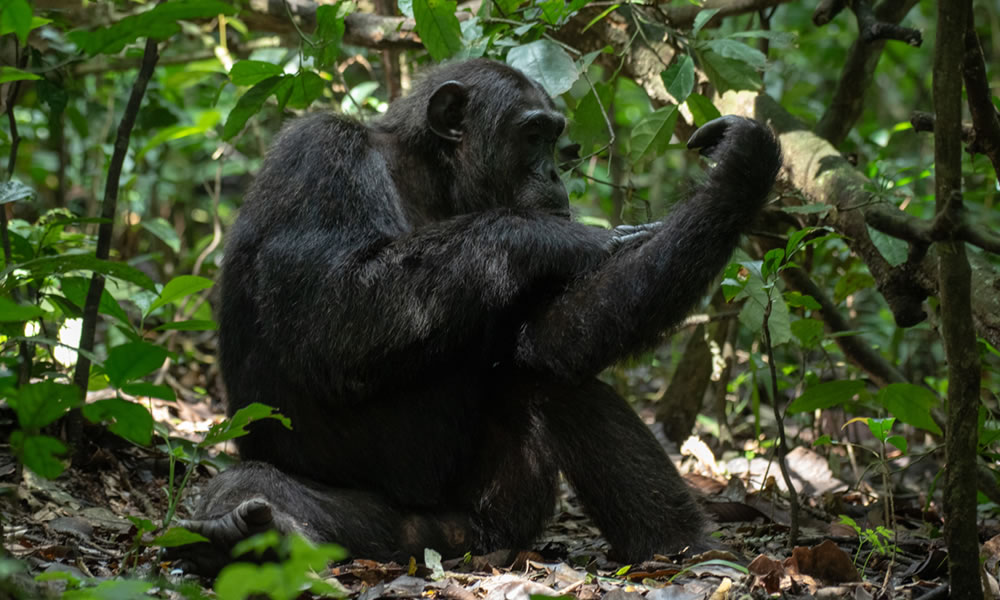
x: 623, y: 306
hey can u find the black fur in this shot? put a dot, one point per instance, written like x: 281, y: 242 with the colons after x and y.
x: 432, y: 322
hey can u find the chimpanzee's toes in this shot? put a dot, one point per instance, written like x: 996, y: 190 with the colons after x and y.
x: 249, y: 518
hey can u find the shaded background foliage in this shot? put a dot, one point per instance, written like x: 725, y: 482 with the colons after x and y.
x: 634, y: 81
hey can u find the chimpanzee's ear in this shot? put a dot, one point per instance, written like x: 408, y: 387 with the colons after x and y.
x: 446, y: 110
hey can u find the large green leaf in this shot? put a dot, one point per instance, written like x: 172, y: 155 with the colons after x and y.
x: 40, y: 404
x: 180, y: 287
x: 679, y: 78
x: 40, y: 453
x: 128, y: 362
x: 15, y: 16
x: 126, y: 419
x: 250, y: 104
x: 651, y: 136
x: 75, y: 289
x: 158, y: 23
x: 235, y: 426
x: 438, y: 27
x: 826, y: 395
x: 329, y: 33
x: 547, y: 63
x: 911, y: 404
x: 12, y: 74
x: 729, y: 73
x: 65, y: 263
x: 12, y: 312
x: 252, y: 72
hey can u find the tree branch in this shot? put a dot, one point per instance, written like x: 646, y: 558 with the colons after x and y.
x: 955, y: 293
x: 816, y: 169
x: 109, y: 206
x: 858, y: 73
x: 986, y: 137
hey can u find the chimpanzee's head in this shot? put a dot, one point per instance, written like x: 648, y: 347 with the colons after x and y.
x: 495, y: 131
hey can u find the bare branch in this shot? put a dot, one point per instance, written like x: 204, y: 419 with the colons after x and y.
x: 986, y: 138
x: 847, y: 104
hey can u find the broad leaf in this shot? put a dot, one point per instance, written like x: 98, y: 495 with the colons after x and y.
x: 826, y: 395
x: 40, y: 453
x: 12, y: 312
x: 651, y: 136
x: 131, y: 361
x: 547, y: 63
x: 65, y: 263
x: 250, y: 104
x: 911, y: 404
x: 438, y: 27
x: 679, y: 78
x: 235, y: 426
x: 40, y: 404
x: 126, y: 419
x: 180, y: 287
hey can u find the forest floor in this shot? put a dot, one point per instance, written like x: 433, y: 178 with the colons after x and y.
x: 84, y: 523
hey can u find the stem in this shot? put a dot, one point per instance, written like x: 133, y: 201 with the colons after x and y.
x: 108, y: 208
x: 782, y: 449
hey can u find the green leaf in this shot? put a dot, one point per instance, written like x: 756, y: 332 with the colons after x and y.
x: 892, y: 249
x: 899, y: 442
x: 6, y: 27
x: 180, y: 287
x: 702, y: 19
x: 235, y: 426
x: 11, y: 74
x: 880, y: 428
x: 12, y: 312
x: 177, y: 536
x: 826, y: 395
x: 164, y: 231
x: 651, y: 136
x: 65, y: 263
x: 737, y: 50
x: 75, y: 289
x: 305, y: 87
x: 15, y: 17
x: 702, y: 109
x: 250, y: 104
x: 40, y: 404
x: 14, y: 191
x: 729, y: 73
x: 679, y: 78
x: 771, y: 263
x: 329, y: 33
x: 158, y: 23
x: 800, y: 300
x: 588, y: 126
x: 114, y: 589
x: 252, y: 72
x: 131, y: 361
x: 40, y: 453
x: 851, y: 283
x: 547, y: 63
x: 911, y: 404
x: 809, y: 332
x: 126, y: 419
x: 206, y: 122
x: 192, y: 325
x: 823, y: 440
x: 438, y: 27
x: 150, y: 390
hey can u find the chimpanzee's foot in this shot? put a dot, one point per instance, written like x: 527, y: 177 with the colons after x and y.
x: 249, y: 518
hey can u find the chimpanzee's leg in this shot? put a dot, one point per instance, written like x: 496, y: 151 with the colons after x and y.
x: 620, y: 472
x: 254, y: 497
x: 501, y: 503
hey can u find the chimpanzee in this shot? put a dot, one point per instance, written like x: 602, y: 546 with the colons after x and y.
x: 413, y: 295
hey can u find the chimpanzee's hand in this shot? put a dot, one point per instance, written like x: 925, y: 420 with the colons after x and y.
x: 627, y: 234
x: 715, y: 138
x: 746, y: 154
